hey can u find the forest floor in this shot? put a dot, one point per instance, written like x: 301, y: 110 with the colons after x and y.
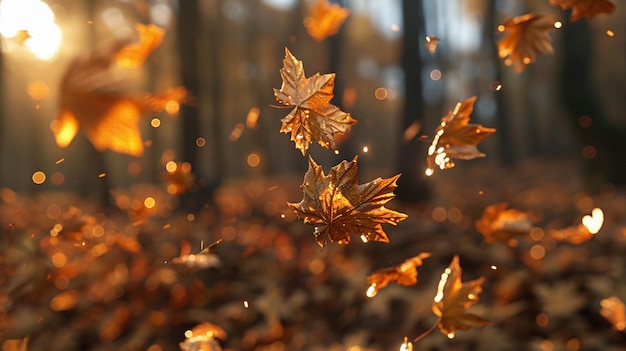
x: 79, y: 277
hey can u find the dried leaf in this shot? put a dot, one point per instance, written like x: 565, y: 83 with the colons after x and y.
x: 614, y: 310
x: 455, y: 137
x: 499, y: 224
x: 589, y: 226
x: 325, y: 19
x: 203, y: 337
x: 453, y: 299
x: 403, y: 274
x: 312, y: 116
x: 94, y: 98
x: 431, y: 43
x: 133, y: 55
x: 338, y: 206
x: 584, y: 8
x: 528, y: 35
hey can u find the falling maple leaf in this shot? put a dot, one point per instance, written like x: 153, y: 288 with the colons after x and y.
x: 431, y: 43
x: 527, y: 36
x: 453, y: 299
x: 455, y: 137
x: 338, y: 206
x: 584, y: 8
x: 590, y: 225
x: 403, y: 274
x: 203, y: 337
x: 325, y: 19
x: 501, y: 224
x: 614, y: 310
x: 94, y: 98
x: 133, y: 55
x: 312, y: 116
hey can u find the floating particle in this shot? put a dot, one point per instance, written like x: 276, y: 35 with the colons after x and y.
x: 39, y: 177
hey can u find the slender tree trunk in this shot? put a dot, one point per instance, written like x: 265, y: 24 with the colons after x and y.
x: 412, y: 153
x: 507, y: 156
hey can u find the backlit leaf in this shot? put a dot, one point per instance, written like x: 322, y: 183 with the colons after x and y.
x: 312, y: 116
x: 133, y: 55
x: 455, y: 137
x: 203, y: 337
x: 526, y: 36
x: 614, y: 310
x: 453, y: 299
x: 325, y: 19
x: 501, y: 224
x: 584, y: 8
x: 403, y: 274
x: 339, y: 207
x: 94, y: 98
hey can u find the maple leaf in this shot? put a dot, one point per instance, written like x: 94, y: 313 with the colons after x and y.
x: 203, y: 337
x: 453, y: 299
x: 325, y: 19
x: 431, y: 43
x: 93, y: 97
x: 528, y: 35
x: 312, y: 116
x: 584, y: 8
x: 614, y: 310
x: 338, y: 206
x: 455, y: 137
x: 501, y: 224
x: 587, y: 229
x: 133, y: 55
x: 403, y: 274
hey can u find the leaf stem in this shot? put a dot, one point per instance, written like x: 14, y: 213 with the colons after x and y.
x: 430, y: 330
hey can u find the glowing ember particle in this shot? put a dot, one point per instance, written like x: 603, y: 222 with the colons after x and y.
x: 172, y: 107
x: 102, y: 175
x: 364, y: 238
x: 494, y: 267
x: 435, y: 75
x: 610, y: 33
x: 380, y: 93
x: 282, y: 215
x: 149, y: 202
x: 594, y: 222
x: 61, y: 160
x: 252, y: 117
x: 155, y: 122
x: 371, y: 291
x: 200, y: 142
x: 191, y: 217
x: 253, y: 159
x: 336, y: 152
x: 558, y: 25
x: 171, y: 166
x: 167, y: 226
x: 39, y: 177
x: 245, y: 304
x: 365, y: 149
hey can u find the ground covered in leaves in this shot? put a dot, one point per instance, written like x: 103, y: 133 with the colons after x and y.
x: 76, y: 276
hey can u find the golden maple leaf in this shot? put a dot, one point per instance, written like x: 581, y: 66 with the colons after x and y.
x: 501, y: 224
x: 403, y: 274
x: 338, y: 206
x: 93, y: 97
x: 527, y: 36
x: 614, y: 310
x: 455, y: 137
x: 431, y: 42
x: 325, y: 19
x: 133, y: 55
x: 584, y: 8
x: 312, y: 116
x: 453, y: 299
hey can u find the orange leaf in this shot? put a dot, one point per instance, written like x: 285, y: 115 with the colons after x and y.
x: 325, y: 19
x: 403, y: 274
x: 338, y: 206
x: 431, y: 43
x: 527, y: 36
x: 455, y: 137
x: 584, y: 8
x: 203, y: 337
x: 94, y: 98
x: 499, y: 224
x: 312, y: 116
x: 614, y: 310
x: 133, y: 56
x: 453, y: 299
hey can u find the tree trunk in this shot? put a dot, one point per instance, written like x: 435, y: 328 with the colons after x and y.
x: 412, y: 153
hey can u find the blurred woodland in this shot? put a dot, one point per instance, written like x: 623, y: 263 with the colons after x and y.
x: 191, y: 239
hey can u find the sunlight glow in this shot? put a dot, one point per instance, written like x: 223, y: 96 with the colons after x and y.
x: 594, y: 222
x: 34, y: 19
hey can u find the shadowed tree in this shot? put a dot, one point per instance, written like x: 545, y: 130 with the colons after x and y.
x: 412, y: 153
